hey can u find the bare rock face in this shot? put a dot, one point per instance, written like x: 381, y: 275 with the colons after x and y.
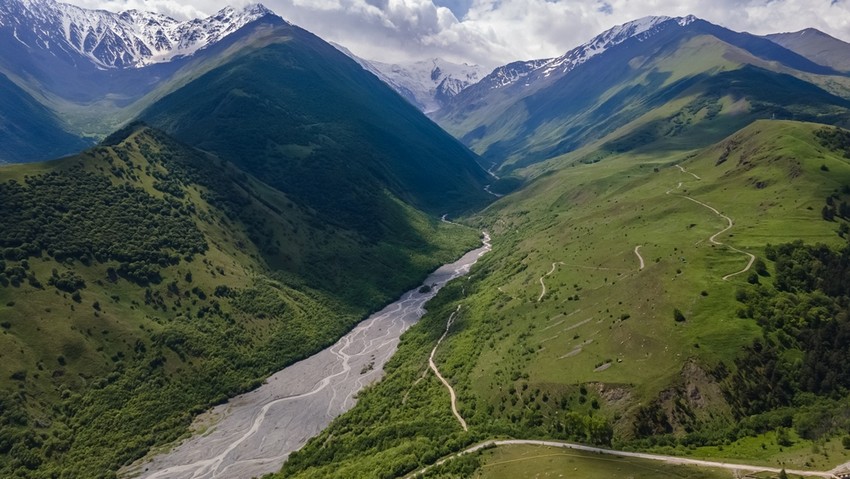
x: 129, y: 39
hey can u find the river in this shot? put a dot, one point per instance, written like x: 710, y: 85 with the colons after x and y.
x: 255, y: 432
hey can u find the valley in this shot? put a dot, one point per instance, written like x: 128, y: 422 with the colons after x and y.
x: 254, y: 433
x: 230, y: 265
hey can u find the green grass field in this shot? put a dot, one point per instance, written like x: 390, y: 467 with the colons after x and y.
x: 591, y: 217
x: 540, y: 462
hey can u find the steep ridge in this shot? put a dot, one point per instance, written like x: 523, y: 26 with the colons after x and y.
x: 28, y: 130
x: 314, y: 124
x: 594, y: 90
x: 129, y: 39
x: 92, y: 98
x: 817, y: 46
x: 143, y: 281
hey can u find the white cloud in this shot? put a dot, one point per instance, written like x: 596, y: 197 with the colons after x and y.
x: 172, y: 8
x: 494, y: 32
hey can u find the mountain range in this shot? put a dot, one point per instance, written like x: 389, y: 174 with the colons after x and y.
x: 94, y: 70
x: 130, y: 39
x: 668, y: 207
x: 263, y: 194
x: 668, y: 271
x: 531, y: 111
x: 428, y: 84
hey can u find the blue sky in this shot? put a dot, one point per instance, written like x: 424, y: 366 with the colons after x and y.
x: 458, y: 7
x: 495, y: 32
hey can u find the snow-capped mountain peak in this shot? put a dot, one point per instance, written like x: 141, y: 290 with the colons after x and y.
x: 428, y: 84
x: 118, y: 40
x: 640, y: 29
x: 545, y: 71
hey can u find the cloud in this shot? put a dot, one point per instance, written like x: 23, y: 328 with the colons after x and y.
x: 494, y: 32
x: 172, y: 8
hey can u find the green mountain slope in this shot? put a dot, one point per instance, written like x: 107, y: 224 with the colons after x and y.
x: 694, y: 84
x: 642, y: 327
x: 816, y: 46
x: 143, y: 281
x: 30, y: 131
x: 312, y: 123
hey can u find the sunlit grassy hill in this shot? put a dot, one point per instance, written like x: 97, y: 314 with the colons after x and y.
x: 609, y: 352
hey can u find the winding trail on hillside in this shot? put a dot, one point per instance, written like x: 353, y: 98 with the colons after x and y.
x: 542, y: 284
x: 672, y: 460
x: 640, y: 258
x: 683, y: 170
x: 445, y: 219
x: 490, y: 170
x: 440, y: 376
x: 487, y: 189
x: 713, y: 238
x: 258, y: 430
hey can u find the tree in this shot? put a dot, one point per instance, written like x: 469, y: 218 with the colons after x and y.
x: 844, y: 210
x: 760, y: 267
x: 828, y: 213
x: 677, y: 315
x: 783, y: 438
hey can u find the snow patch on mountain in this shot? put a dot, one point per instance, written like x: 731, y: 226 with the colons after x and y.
x: 118, y: 40
x: 529, y: 72
x: 640, y: 29
x: 428, y: 84
x: 514, y: 72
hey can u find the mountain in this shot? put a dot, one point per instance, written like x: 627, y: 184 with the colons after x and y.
x: 312, y: 123
x: 349, y: 134
x: 655, y: 76
x: 28, y: 130
x: 532, y: 73
x: 129, y: 39
x: 274, y: 195
x: 816, y: 46
x: 428, y: 84
x: 143, y: 281
x: 95, y: 70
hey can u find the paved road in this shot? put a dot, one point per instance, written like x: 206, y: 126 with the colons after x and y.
x: 257, y: 431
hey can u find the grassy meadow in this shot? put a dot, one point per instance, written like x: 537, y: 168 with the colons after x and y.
x: 609, y: 343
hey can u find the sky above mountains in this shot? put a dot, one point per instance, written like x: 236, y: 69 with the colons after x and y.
x: 495, y: 32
